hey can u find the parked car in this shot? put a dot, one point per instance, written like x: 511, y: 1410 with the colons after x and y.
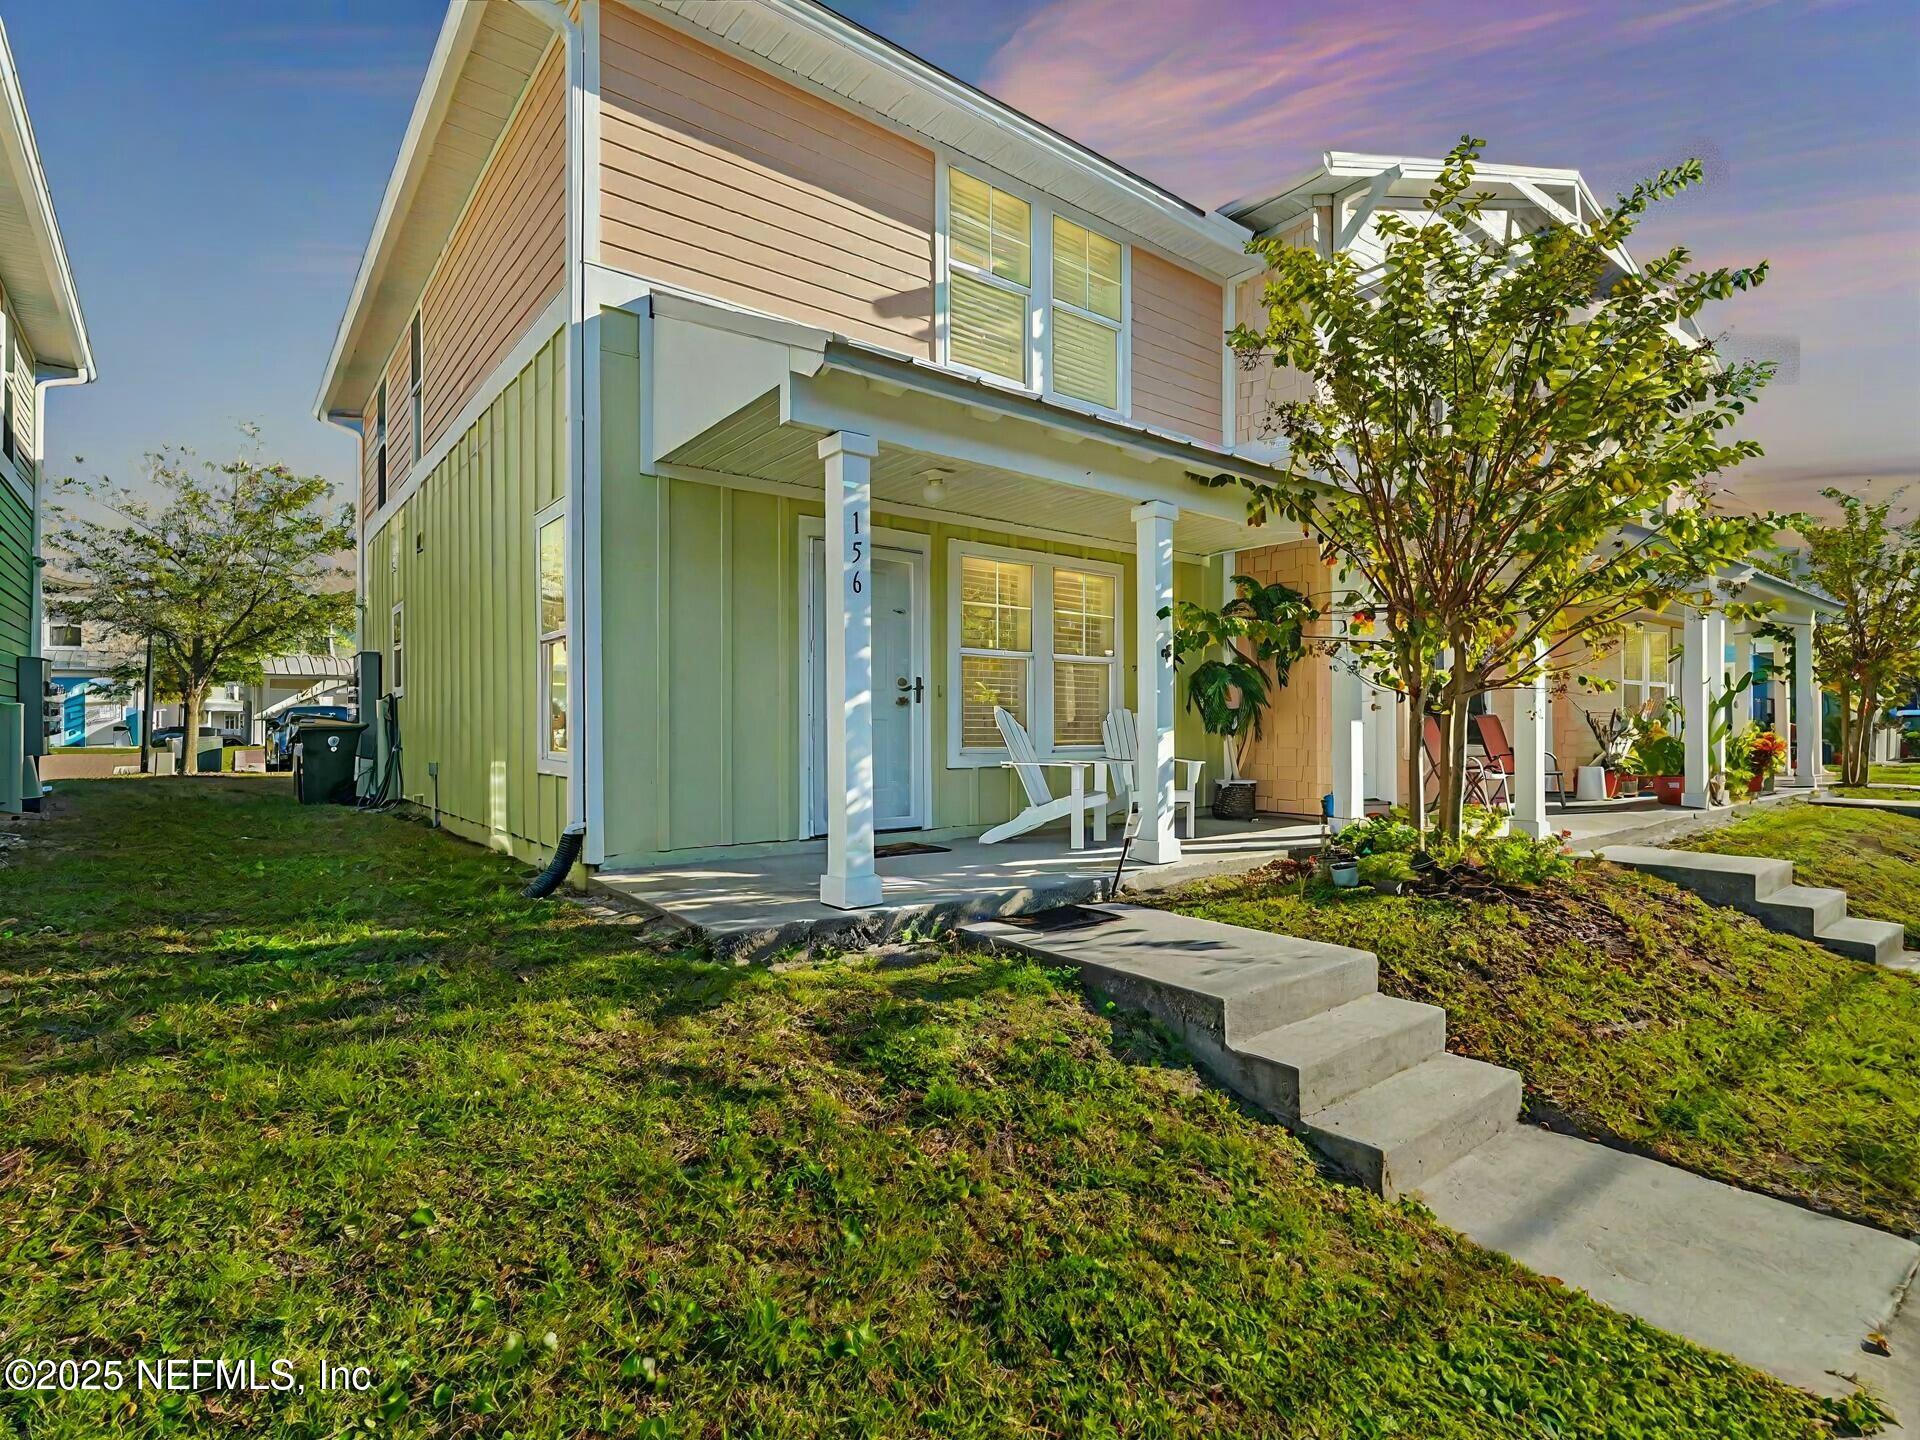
x: 167, y: 734
x: 280, y: 730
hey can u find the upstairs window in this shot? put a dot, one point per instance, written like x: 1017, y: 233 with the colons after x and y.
x: 1032, y: 296
x: 989, y: 277
x: 380, y: 445
x: 1086, y: 315
x: 416, y: 368
x: 8, y: 359
x: 65, y: 633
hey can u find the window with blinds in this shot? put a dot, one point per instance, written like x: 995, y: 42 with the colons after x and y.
x: 989, y: 276
x: 1083, y: 655
x: 551, y: 553
x: 996, y: 646
x: 1086, y: 315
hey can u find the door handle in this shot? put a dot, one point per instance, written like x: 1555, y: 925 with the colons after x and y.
x: 919, y: 691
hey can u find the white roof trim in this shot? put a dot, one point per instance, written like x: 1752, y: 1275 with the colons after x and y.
x: 22, y: 155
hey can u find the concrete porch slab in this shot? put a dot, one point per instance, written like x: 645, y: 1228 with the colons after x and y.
x: 755, y: 904
x: 1787, y: 1290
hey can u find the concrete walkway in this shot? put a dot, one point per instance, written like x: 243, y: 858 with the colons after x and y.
x: 1782, y: 1288
x: 1894, y: 807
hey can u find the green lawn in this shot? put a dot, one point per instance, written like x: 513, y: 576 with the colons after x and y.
x: 1642, y: 1014
x: 1905, y: 772
x: 308, y: 1084
x: 1873, y: 855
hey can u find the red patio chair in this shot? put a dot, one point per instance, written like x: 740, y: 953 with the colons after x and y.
x: 1493, y: 739
x: 1474, y: 784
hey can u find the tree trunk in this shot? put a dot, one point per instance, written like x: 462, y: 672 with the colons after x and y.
x: 190, y: 755
x: 1416, y: 759
x: 1858, y: 764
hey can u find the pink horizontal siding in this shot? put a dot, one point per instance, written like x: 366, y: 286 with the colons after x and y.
x: 1178, y: 340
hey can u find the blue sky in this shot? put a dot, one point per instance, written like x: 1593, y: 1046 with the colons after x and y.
x: 217, y: 165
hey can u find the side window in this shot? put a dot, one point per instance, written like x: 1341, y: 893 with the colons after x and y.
x: 1086, y: 315
x: 396, y: 672
x: 551, y: 545
x: 996, y: 646
x: 380, y: 445
x: 416, y: 372
x: 7, y: 358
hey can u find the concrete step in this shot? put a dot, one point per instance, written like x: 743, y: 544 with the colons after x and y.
x: 1214, y: 985
x: 1803, y: 910
x: 1306, y: 1066
x: 1397, y: 1133
x: 1735, y: 880
x: 1879, y: 942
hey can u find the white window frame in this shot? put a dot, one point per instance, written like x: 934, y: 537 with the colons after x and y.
x: 1641, y: 635
x: 396, y: 648
x: 1041, y: 209
x: 416, y: 381
x: 548, y: 762
x: 1041, y: 658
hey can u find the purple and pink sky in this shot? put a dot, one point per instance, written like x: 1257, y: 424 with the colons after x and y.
x: 217, y: 167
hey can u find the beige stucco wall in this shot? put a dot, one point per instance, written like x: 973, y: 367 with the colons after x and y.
x: 1179, y: 335
x: 1292, y: 761
x: 725, y: 180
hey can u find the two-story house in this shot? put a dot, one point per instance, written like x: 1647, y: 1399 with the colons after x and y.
x: 43, y: 342
x: 748, y: 408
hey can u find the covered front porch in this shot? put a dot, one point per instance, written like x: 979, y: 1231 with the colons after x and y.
x: 958, y: 548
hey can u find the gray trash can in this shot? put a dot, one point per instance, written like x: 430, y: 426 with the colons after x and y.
x: 323, y: 761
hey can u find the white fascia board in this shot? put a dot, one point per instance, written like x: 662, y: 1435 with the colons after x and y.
x: 457, y: 30
x: 23, y: 155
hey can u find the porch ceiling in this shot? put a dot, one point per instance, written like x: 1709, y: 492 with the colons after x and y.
x: 754, y: 443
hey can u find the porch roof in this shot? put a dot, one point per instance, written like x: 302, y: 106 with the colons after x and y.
x: 742, y: 396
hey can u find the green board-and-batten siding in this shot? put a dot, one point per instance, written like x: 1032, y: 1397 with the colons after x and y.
x: 16, y: 588
x: 702, y: 658
x: 459, y: 556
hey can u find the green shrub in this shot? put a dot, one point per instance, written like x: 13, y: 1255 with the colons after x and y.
x: 1386, y: 867
x: 1525, y: 861
x: 1380, y: 835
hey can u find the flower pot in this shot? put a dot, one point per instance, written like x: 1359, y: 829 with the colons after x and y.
x: 1388, y: 886
x: 1233, y: 800
x: 1346, y: 874
x: 1754, y: 783
x: 1613, y: 784
x: 1667, y: 789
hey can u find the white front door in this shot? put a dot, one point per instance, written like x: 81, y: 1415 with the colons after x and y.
x: 901, y: 740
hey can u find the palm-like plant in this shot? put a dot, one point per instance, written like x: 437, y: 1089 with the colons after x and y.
x: 1253, y: 641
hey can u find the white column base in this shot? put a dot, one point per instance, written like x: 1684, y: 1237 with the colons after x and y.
x: 850, y: 892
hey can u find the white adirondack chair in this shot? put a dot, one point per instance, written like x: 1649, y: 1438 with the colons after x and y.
x: 1121, y: 731
x: 1075, y: 806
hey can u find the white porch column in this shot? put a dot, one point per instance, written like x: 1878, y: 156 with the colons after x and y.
x: 1717, y: 682
x: 1782, y: 679
x: 850, y: 882
x: 1383, y: 714
x: 1530, y: 751
x: 1349, y: 706
x: 1742, y: 666
x: 1157, y: 843
x: 1806, y: 701
x: 1697, y: 666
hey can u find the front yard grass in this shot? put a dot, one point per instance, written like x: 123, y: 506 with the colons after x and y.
x: 306, y: 1084
x: 1873, y: 855
x: 1641, y: 1014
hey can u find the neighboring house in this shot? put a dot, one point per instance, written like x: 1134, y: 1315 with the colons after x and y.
x: 43, y: 342
x: 748, y: 407
x: 95, y: 709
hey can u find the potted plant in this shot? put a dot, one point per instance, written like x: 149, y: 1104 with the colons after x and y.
x: 1756, y: 754
x: 1343, y: 868
x: 1659, y: 758
x: 1251, y: 644
x: 1614, y: 736
x: 1386, y: 871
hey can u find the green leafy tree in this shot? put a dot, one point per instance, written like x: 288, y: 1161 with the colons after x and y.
x: 226, y: 565
x: 1506, y: 449
x: 1868, y: 655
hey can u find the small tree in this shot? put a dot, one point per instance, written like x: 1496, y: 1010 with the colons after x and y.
x: 229, y: 565
x: 1869, y: 655
x: 1506, y: 451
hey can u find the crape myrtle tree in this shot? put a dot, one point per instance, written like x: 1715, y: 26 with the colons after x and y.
x: 1507, y: 449
x: 223, y: 567
x: 1868, y: 654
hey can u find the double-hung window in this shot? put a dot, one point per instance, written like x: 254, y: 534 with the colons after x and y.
x: 396, y: 671
x: 8, y: 442
x: 416, y: 370
x: 550, y: 543
x: 1033, y: 297
x: 1645, y: 655
x: 1038, y: 638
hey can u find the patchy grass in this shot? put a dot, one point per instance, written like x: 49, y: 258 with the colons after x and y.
x: 1900, y: 772
x: 1642, y: 1014
x: 1874, y: 855
x: 312, y: 1085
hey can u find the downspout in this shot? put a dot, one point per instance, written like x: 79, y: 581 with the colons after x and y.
x: 553, y: 13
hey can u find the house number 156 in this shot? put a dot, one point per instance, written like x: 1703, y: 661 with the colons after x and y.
x: 856, y: 554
